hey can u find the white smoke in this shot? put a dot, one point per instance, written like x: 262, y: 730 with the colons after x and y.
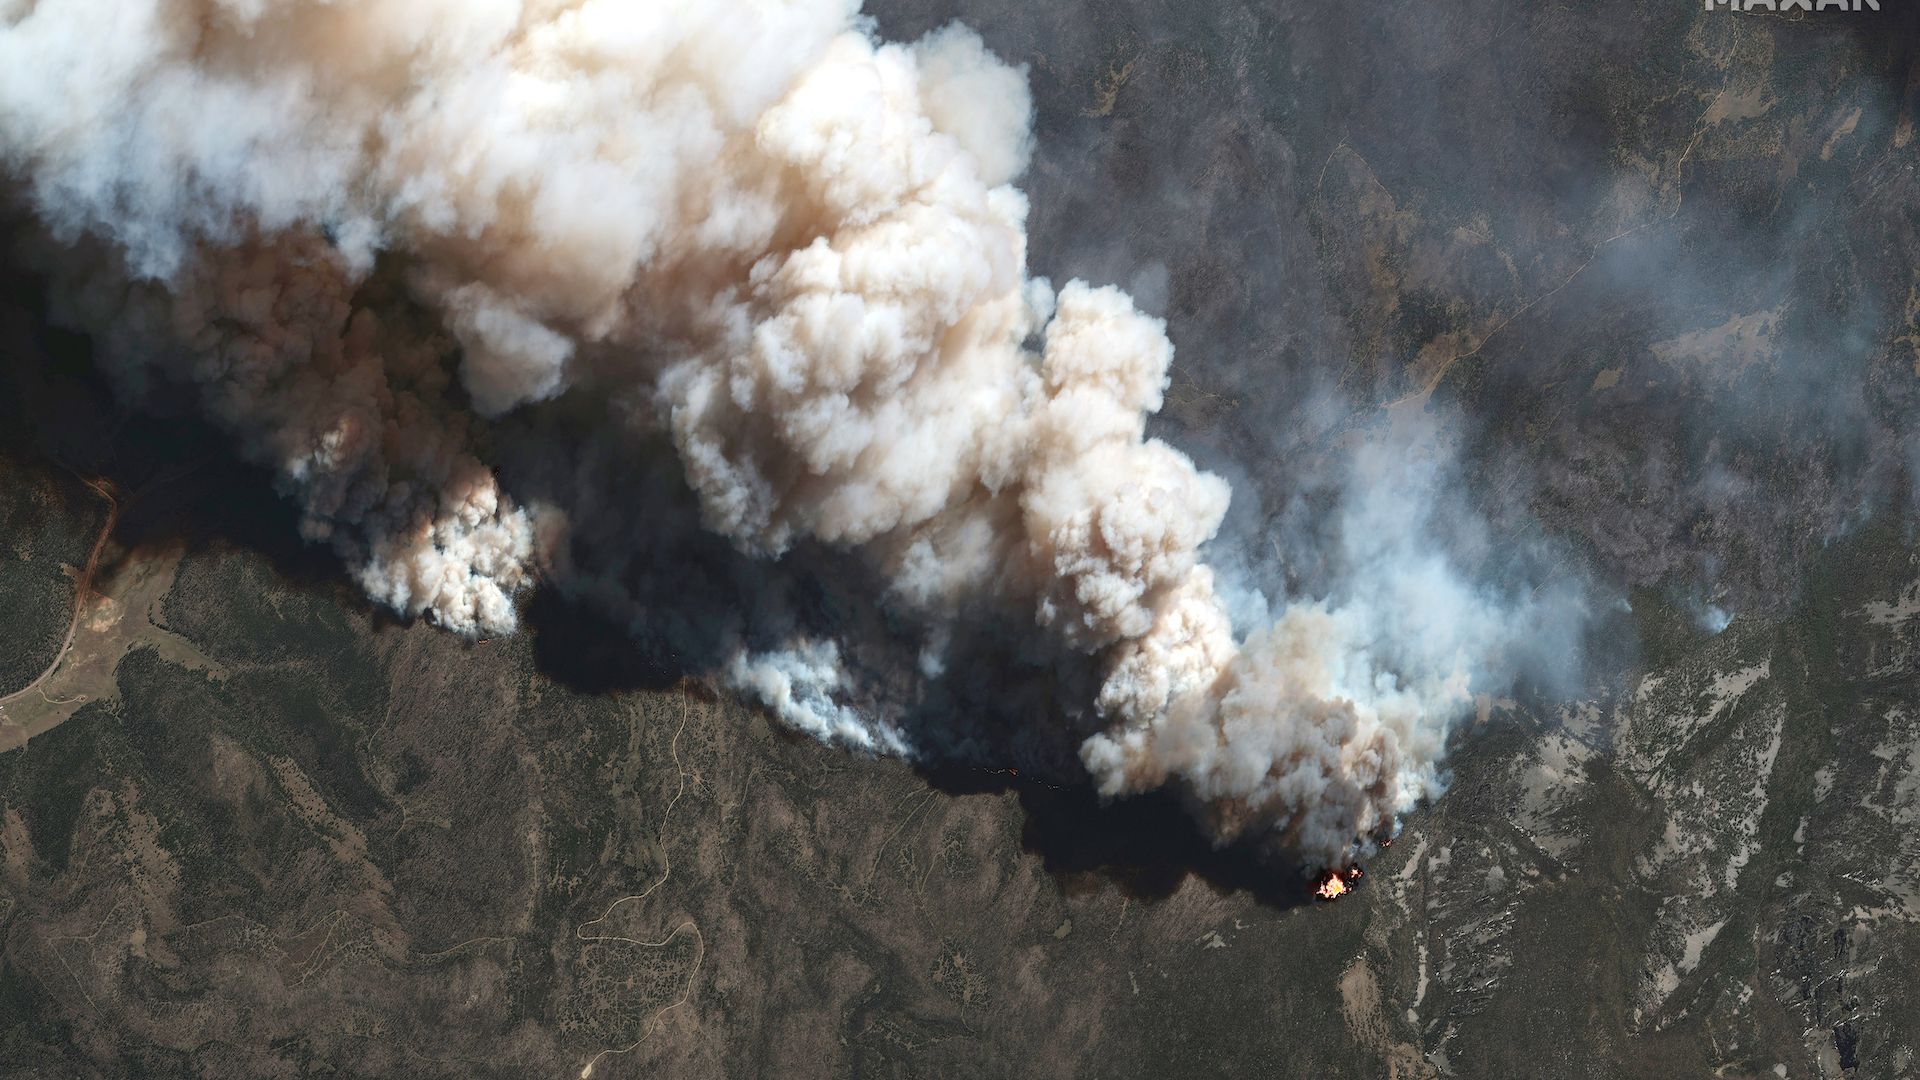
x: 801, y: 685
x: 748, y: 224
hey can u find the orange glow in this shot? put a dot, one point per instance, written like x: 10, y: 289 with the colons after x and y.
x: 1335, y: 883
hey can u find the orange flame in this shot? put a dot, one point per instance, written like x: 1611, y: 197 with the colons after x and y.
x: 1335, y: 883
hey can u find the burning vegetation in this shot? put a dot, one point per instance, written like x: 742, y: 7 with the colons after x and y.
x: 1335, y: 884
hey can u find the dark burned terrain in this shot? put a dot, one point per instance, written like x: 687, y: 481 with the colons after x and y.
x: 1655, y: 268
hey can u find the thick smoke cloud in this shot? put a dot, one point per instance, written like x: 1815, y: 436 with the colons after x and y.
x: 369, y: 232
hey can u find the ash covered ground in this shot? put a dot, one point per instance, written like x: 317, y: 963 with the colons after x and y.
x: 1649, y: 272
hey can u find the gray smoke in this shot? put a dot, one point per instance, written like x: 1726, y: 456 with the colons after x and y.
x: 369, y: 233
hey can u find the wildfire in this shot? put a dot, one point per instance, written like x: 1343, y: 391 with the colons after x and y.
x: 1337, y: 883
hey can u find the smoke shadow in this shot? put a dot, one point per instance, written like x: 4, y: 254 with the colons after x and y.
x: 174, y: 478
x: 1146, y: 846
x: 179, y: 485
x: 577, y: 645
x: 665, y: 622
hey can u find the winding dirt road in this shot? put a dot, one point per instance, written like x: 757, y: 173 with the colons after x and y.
x: 82, y: 590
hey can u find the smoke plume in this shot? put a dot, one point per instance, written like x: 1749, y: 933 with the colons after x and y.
x: 366, y: 231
